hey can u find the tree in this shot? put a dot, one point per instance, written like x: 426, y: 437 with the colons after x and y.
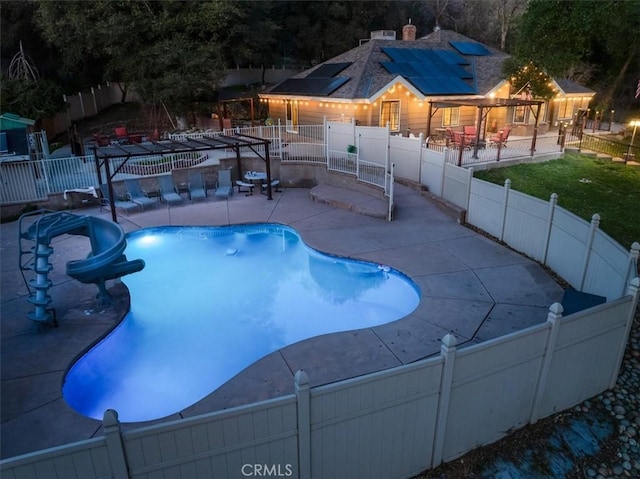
x: 596, y: 43
x: 171, y: 51
x: 32, y: 99
x: 527, y: 79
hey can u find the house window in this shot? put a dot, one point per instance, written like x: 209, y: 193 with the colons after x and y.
x: 520, y: 114
x: 390, y: 113
x: 565, y: 110
x: 451, y: 116
x: 292, y: 116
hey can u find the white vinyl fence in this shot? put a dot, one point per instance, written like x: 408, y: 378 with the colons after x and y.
x: 388, y: 424
x: 398, y: 422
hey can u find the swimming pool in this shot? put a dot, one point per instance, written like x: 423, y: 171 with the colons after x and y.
x: 213, y: 300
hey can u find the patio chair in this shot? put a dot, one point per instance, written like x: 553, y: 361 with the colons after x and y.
x: 126, y: 206
x: 168, y: 191
x: 122, y: 135
x: 500, y: 139
x: 224, y: 187
x: 470, y: 131
x: 138, y: 195
x: 197, y: 187
x: 459, y: 140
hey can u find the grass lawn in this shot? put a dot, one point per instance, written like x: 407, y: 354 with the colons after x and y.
x: 584, y: 186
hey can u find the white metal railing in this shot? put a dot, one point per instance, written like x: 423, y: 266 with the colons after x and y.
x: 342, y: 162
x: 154, y: 165
x: 194, y: 135
x: 372, y: 173
x: 33, y: 180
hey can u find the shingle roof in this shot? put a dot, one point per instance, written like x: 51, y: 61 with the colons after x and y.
x: 367, y: 74
x: 569, y: 86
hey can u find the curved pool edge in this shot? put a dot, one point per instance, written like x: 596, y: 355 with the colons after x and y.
x: 286, y: 380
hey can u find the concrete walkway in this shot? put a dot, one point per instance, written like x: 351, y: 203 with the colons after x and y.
x: 470, y: 286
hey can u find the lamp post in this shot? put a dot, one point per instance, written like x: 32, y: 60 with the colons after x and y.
x: 634, y: 124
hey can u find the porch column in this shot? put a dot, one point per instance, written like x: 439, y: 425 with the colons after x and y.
x: 478, y: 125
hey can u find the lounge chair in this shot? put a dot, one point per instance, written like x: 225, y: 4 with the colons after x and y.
x: 138, y: 195
x: 126, y: 206
x: 500, y: 139
x: 197, y: 188
x: 224, y: 187
x: 168, y: 191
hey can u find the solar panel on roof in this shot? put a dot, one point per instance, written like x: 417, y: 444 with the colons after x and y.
x: 451, y: 57
x: 311, y: 86
x: 433, y: 72
x: 470, y: 48
x: 328, y: 70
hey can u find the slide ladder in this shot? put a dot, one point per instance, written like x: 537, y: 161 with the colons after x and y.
x: 106, y: 260
x: 36, y: 257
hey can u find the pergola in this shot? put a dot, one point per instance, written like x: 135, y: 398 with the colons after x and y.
x: 484, y: 106
x: 104, y: 154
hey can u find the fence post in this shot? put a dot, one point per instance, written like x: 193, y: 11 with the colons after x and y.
x: 467, y: 193
x: 553, y: 318
x: 115, y: 449
x: 634, y: 291
x: 553, y: 202
x: 304, y: 424
x: 632, y: 268
x: 84, y: 113
x: 448, y: 353
x: 505, y: 205
x: 595, y: 222
x: 420, y: 153
x: 95, y: 103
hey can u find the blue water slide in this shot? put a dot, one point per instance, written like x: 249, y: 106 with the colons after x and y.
x: 107, y: 260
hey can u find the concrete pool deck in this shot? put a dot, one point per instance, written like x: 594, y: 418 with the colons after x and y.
x: 470, y: 286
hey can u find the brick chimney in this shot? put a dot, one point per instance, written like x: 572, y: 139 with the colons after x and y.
x: 409, y: 32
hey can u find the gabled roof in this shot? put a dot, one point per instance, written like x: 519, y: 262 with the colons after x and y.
x: 11, y: 121
x: 443, y: 64
x: 567, y: 87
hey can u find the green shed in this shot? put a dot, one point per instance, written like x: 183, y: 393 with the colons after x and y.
x: 13, y: 133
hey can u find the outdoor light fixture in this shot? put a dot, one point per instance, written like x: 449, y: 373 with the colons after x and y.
x: 634, y: 124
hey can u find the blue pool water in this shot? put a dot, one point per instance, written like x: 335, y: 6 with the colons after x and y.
x: 213, y: 300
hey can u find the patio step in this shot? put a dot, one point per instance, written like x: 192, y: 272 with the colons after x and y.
x: 351, y: 200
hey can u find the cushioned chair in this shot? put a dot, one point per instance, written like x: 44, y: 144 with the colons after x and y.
x: 224, y: 187
x: 470, y: 131
x: 168, y: 191
x: 122, y: 135
x: 197, y: 187
x: 126, y: 206
x: 498, y: 140
x: 138, y: 195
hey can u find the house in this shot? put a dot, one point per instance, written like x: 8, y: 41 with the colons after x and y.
x: 416, y: 86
